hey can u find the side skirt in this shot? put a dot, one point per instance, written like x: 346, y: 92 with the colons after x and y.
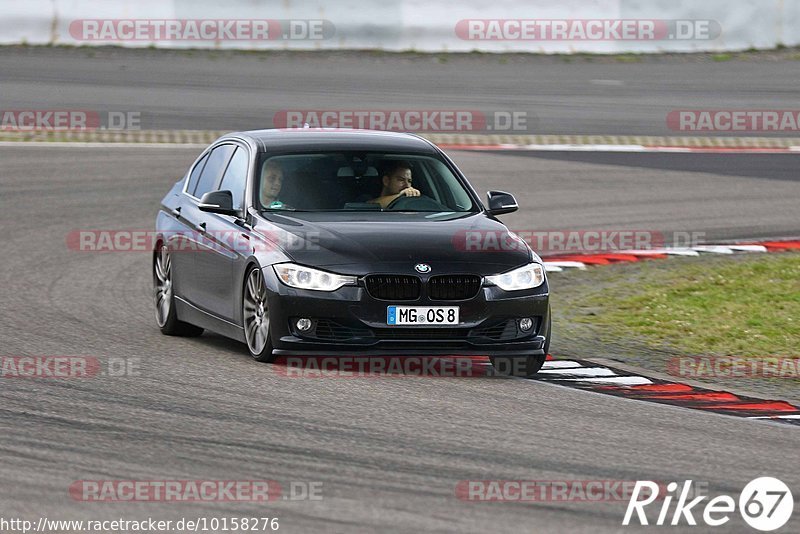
x: 194, y: 315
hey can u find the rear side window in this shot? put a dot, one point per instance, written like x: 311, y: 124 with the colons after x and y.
x: 235, y: 178
x: 196, y: 173
x: 216, y: 163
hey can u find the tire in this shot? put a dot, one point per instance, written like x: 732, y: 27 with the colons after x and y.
x: 523, y: 366
x: 164, y: 299
x: 255, y: 316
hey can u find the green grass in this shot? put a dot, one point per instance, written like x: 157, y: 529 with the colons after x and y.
x: 749, y: 307
x: 721, y: 57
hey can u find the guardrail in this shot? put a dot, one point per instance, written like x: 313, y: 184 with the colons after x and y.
x: 542, y: 26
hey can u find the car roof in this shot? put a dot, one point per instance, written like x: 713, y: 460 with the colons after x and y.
x: 310, y: 139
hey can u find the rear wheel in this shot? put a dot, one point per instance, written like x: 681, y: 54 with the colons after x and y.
x: 166, y: 316
x: 255, y: 315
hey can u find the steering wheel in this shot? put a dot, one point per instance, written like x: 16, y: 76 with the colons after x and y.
x: 420, y: 203
x: 277, y: 204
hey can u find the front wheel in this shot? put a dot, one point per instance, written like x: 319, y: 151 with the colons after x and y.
x: 166, y: 316
x: 255, y: 316
x: 523, y: 366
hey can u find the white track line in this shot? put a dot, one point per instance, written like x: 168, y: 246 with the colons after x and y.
x: 567, y: 264
x: 714, y: 249
x: 588, y: 372
x: 627, y: 148
x: 614, y: 380
x: 748, y: 248
x: 582, y: 148
x: 451, y: 146
x: 69, y: 144
x: 676, y: 251
x: 560, y: 364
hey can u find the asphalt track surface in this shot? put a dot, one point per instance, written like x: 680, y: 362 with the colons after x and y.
x: 390, y: 450
x: 204, y: 90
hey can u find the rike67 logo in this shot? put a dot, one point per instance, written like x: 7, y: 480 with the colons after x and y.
x: 765, y: 504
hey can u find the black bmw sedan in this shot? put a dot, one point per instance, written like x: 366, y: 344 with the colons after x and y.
x: 324, y: 242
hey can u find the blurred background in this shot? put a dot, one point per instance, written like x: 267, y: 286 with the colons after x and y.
x: 419, y: 25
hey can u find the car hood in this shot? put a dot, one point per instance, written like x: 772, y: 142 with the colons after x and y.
x: 361, y: 243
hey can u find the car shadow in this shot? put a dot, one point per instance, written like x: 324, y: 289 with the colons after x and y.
x: 347, y: 365
x: 356, y: 366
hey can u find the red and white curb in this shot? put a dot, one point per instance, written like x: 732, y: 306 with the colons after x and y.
x: 616, y: 143
x: 610, y: 381
x: 558, y: 263
x: 571, y: 373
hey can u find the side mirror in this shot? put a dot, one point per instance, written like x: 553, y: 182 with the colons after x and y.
x: 218, y: 202
x: 501, y: 202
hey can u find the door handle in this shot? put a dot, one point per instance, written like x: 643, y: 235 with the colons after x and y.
x: 177, y: 212
x: 201, y: 227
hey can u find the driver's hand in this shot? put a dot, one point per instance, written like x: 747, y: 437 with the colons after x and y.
x: 410, y: 192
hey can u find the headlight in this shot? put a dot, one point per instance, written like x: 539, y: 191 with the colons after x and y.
x: 307, y: 278
x: 527, y: 277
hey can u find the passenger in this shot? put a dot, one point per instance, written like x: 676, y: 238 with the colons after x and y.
x: 396, y: 183
x: 271, y: 182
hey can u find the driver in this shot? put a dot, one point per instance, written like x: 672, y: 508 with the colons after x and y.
x: 271, y: 182
x: 396, y: 183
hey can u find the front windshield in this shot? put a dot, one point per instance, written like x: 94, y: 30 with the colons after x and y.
x: 350, y: 181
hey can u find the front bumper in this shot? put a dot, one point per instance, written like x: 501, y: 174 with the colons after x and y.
x: 350, y: 321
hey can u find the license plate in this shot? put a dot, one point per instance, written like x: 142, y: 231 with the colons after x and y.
x: 425, y: 315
